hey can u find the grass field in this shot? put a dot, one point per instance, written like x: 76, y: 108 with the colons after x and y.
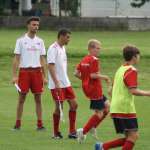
x: 28, y: 138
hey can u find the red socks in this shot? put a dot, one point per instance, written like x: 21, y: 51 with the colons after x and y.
x: 18, y: 123
x: 128, y: 145
x: 72, y: 121
x: 39, y: 123
x: 100, y: 120
x: 114, y: 143
x: 92, y: 122
x: 56, y: 119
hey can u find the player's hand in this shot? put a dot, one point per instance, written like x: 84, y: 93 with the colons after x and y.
x: 57, y: 85
x: 15, y: 80
x: 108, y: 81
x: 109, y: 90
x: 45, y: 81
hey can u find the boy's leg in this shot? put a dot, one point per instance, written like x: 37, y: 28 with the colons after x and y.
x: 98, y: 106
x: 114, y: 143
x: 105, y: 113
x: 132, y: 137
x: 93, y: 121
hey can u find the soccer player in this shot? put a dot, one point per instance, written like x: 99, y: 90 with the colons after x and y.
x: 59, y: 83
x: 122, y: 106
x: 88, y: 70
x: 29, y: 58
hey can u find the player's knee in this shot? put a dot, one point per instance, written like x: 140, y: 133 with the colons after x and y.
x: 136, y: 136
x: 98, y: 113
x: 105, y: 112
x: 38, y: 101
x: 57, y: 111
x: 74, y: 107
x: 133, y: 137
x: 21, y: 102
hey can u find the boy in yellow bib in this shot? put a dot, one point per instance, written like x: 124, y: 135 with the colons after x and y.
x: 122, y: 108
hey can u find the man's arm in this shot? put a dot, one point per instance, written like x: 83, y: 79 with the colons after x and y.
x: 52, y: 71
x: 15, y: 66
x: 139, y: 92
x: 44, y: 67
x: 77, y: 74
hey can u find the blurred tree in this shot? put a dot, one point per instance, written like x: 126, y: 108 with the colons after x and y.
x: 69, y: 6
x: 138, y: 3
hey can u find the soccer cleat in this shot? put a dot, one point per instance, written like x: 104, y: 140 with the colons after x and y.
x: 15, y: 128
x: 41, y: 128
x: 72, y: 136
x: 80, y: 136
x: 57, y: 136
x: 94, y: 133
x: 98, y: 146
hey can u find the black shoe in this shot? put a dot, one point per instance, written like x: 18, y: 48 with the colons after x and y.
x: 72, y: 135
x: 41, y: 128
x: 15, y: 128
x: 58, y: 136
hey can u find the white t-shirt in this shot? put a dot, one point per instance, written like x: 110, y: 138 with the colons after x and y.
x: 30, y: 51
x: 57, y: 55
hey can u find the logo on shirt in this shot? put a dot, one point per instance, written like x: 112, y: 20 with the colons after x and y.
x: 85, y: 64
x: 38, y: 43
x: 32, y: 48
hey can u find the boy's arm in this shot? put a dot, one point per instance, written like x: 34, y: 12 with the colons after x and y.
x: 103, y: 77
x: 139, y: 92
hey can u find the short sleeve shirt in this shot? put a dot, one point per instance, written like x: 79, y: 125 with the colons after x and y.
x: 30, y: 51
x: 91, y: 87
x: 57, y: 55
x: 130, y: 78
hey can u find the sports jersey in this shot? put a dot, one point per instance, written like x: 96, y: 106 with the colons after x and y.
x: 91, y: 87
x: 57, y: 55
x: 122, y: 100
x: 30, y: 50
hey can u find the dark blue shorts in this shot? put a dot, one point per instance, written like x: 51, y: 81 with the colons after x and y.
x: 123, y: 125
x: 98, y: 104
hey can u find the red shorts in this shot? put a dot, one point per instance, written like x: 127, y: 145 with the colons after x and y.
x: 65, y: 94
x: 30, y: 78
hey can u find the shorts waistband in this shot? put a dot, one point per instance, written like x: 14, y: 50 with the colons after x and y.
x: 30, y: 69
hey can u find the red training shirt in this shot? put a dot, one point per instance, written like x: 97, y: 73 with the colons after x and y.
x: 91, y: 87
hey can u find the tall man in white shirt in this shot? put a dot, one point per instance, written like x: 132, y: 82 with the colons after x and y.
x: 59, y: 83
x: 29, y: 58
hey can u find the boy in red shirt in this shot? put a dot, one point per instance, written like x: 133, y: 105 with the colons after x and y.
x: 88, y: 71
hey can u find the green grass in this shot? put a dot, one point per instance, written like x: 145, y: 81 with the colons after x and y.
x: 112, y: 42
x: 28, y: 138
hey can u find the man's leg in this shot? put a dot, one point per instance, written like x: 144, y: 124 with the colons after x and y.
x: 37, y: 98
x: 19, y: 112
x: 56, y: 120
x: 72, y: 116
